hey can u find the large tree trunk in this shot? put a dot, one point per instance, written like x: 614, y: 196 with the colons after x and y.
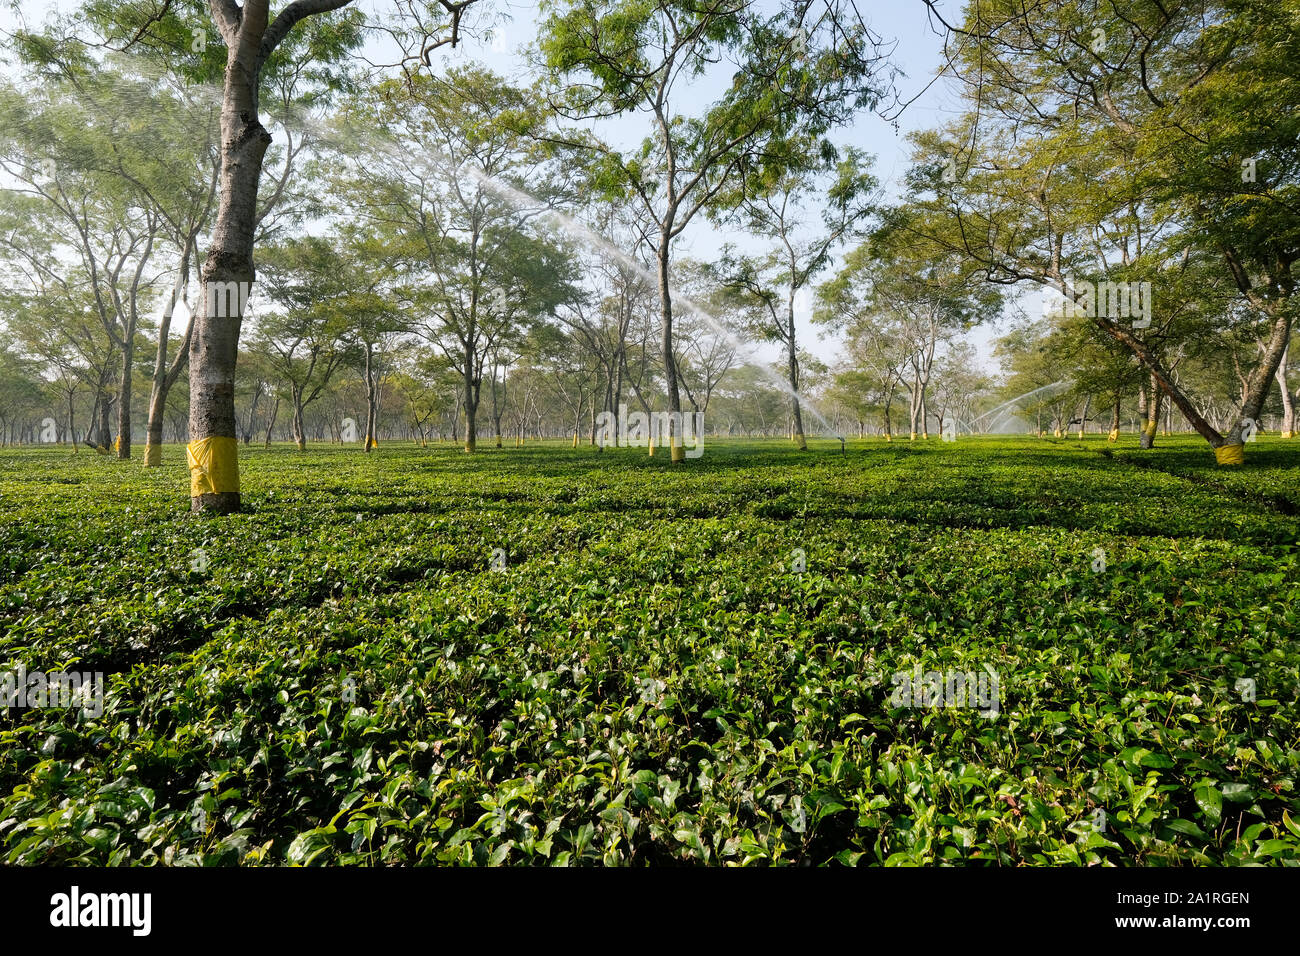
x: 105, y: 435
x: 1114, y: 417
x: 228, y: 273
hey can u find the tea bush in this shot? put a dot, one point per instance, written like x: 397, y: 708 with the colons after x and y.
x: 546, y: 656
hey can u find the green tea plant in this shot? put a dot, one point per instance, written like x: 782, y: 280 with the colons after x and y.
x: 544, y: 656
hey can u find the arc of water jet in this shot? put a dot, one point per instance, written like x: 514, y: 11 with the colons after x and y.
x: 1019, y: 398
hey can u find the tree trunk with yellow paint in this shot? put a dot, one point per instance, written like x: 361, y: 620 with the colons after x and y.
x: 1288, y: 409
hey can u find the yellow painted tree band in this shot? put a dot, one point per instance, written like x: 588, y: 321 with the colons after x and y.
x: 1288, y: 434
x: 214, y: 465
x: 152, y: 455
x: 1149, y: 429
x: 1114, y: 435
x: 1230, y: 454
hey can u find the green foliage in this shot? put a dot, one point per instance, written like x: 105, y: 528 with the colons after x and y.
x: 648, y: 679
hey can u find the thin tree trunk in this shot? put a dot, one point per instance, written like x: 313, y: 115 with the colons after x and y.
x: 676, y: 451
x: 915, y: 403
x: 104, y: 432
x: 1288, y: 409
x: 124, y: 394
x: 275, y: 410
x: 371, y: 397
x: 164, y: 377
x: 792, y: 362
x: 72, y: 424
x: 1152, y: 421
x: 471, y: 408
x: 889, y: 414
x: 299, y: 432
x: 252, y: 413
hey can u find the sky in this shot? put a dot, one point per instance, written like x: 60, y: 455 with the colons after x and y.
x: 504, y: 30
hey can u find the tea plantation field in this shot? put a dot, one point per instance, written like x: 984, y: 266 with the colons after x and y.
x: 544, y: 656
